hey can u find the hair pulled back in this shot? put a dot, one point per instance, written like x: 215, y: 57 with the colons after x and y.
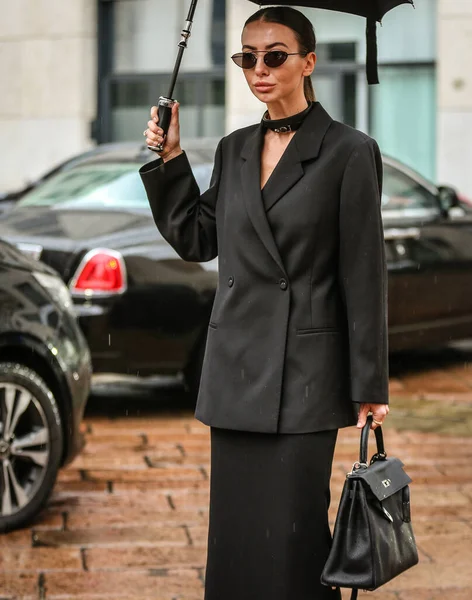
x: 301, y: 27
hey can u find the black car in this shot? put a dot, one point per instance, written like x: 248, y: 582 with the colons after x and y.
x: 145, y: 311
x: 45, y: 373
x: 428, y: 236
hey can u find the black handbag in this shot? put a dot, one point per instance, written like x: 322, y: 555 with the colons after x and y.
x: 373, y: 539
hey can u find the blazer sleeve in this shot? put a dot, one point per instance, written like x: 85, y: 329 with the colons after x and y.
x: 363, y: 273
x: 185, y: 218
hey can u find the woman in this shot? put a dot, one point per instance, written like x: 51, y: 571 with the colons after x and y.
x: 298, y: 337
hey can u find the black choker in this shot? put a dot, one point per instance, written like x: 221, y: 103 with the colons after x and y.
x: 288, y: 124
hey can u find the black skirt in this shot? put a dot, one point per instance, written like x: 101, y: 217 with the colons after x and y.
x: 269, y: 535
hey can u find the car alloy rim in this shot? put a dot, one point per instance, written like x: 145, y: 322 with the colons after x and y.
x: 24, y: 447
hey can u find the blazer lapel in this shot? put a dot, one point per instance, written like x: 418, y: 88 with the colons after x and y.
x: 251, y: 184
x: 304, y: 146
x: 311, y: 134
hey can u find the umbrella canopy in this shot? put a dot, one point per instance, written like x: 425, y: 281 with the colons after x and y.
x: 373, y: 10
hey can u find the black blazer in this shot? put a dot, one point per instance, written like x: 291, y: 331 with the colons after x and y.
x: 298, y: 331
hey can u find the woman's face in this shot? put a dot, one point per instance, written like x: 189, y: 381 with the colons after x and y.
x: 274, y: 84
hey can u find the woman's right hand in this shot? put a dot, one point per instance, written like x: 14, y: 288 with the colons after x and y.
x: 155, y: 135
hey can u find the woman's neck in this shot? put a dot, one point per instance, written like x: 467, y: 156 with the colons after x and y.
x: 286, y: 108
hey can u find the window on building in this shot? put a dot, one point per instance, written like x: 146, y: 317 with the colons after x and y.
x: 141, y: 57
x: 403, y: 197
x: 335, y: 80
x: 403, y: 116
x: 400, y: 112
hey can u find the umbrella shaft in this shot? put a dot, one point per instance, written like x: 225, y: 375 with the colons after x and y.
x: 191, y: 11
x: 176, y: 71
x: 185, y: 34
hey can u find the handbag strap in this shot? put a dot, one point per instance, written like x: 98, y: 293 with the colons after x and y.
x: 354, y: 594
x: 365, y: 441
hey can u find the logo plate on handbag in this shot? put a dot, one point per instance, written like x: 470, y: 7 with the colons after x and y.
x: 386, y: 483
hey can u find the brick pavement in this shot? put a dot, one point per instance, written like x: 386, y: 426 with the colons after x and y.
x: 128, y: 518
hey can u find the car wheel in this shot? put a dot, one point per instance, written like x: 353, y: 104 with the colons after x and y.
x: 31, y: 444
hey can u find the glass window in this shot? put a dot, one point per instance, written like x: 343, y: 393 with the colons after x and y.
x: 335, y: 80
x: 144, y: 44
x: 404, y: 197
x: 336, y: 52
x: 147, y: 33
x: 213, y: 108
x: 130, y: 104
x: 186, y: 93
x: 338, y: 93
x: 92, y: 186
x: 99, y: 186
x: 408, y: 38
x: 403, y: 116
x: 201, y: 97
x: 408, y: 35
x: 129, y: 93
x: 218, y: 43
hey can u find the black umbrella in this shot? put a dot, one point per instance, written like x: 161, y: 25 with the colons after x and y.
x: 373, y: 10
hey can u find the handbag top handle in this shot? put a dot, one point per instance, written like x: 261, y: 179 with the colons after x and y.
x: 365, y: 441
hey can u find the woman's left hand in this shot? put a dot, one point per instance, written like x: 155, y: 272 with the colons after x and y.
x: 379, y: 413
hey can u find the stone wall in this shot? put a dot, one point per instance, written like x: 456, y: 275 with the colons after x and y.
x: 454, y: 145
x: 48, y: 82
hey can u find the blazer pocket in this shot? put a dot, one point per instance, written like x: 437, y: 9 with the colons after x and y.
x: 317, y: 330
x: 212, y: 325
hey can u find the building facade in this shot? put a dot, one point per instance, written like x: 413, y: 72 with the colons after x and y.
x: 138, y: 42
x: 48, y: 62
x: 82, y: 72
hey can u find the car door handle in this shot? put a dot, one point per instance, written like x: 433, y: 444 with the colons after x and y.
x: 409, y: 233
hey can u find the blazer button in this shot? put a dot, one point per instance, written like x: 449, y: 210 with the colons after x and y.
x: 283, y: 284
x: 230, y: 281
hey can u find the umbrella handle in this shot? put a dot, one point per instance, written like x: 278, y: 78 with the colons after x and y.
x: 164, y: 112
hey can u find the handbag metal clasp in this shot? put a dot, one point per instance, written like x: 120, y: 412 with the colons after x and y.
x: 378, y: 456
x: 356, y: 466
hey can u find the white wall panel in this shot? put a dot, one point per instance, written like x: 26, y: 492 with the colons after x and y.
x: 48, y: 74
x: 455, y: 94
x: 148, y: 33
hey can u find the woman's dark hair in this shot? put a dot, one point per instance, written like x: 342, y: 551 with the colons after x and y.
x: 301, y: 27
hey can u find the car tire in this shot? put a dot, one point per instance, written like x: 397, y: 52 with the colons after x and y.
x: 193, y: 371
x: 31, y: 444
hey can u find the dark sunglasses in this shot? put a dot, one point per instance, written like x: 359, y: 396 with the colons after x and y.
x: 272, y: 58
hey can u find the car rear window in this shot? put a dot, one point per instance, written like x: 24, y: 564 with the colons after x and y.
x: 98, y: 186
x: 403, y: 196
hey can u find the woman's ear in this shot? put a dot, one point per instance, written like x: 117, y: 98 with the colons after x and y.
x: 310, y: 64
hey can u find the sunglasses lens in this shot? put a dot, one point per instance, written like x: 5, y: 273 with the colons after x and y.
x: 248, y: 60
x: 275, y: 59
x: 245, y: 60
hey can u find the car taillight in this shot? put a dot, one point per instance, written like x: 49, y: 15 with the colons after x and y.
x: 100, y: 272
